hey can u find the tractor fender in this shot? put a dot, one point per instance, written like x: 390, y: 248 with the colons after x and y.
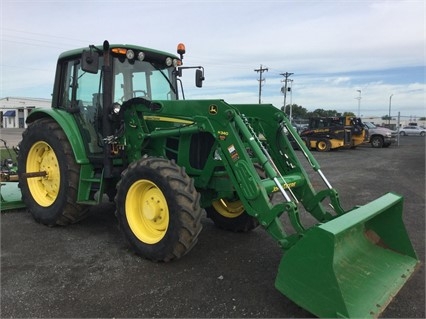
x: 69, y: 126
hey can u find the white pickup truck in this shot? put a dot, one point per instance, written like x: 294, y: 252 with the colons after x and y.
x: 379, y: 136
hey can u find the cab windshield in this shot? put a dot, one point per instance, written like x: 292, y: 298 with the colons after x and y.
x: 145, y: 79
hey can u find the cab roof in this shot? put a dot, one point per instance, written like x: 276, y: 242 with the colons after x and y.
x: 77, y: 52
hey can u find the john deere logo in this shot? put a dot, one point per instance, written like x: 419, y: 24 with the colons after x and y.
x: 213, y: 109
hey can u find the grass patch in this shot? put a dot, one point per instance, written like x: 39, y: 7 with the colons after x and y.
x: 4, y: 154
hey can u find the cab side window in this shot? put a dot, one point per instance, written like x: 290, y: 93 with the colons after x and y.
x: 81, y: 89
x: 82, y: 96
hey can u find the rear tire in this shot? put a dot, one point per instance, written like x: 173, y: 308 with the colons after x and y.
x: 50, y: 199
x: 158, y: 209
x: 307, y: 142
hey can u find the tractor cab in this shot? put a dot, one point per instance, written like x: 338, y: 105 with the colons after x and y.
x: 94, y: 83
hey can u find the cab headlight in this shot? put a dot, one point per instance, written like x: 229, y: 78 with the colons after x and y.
x: 141, y: 56
x: 130, y: 54
x: 169, y: 61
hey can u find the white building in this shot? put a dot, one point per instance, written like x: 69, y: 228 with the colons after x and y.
x: 14, y: 110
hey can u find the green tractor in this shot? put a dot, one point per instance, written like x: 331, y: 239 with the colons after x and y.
x: 120, y: 127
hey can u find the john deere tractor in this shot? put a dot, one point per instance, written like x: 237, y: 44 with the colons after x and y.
x: 120, y: 128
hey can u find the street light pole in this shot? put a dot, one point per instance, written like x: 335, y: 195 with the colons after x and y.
x: 390, y: 104
x: 359, y: 102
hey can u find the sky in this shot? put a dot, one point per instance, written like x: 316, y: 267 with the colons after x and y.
x: 350, y: 56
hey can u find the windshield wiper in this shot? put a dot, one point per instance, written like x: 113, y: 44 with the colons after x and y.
x: 165, y: 76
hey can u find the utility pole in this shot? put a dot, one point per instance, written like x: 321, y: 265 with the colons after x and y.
x: 261, y: 70
x: 290, y: 89
x: 286, y: 76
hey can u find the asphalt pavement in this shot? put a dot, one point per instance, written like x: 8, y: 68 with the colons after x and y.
x: 87, y: 269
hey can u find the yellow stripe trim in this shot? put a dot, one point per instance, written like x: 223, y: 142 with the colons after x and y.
x: 166, y: 119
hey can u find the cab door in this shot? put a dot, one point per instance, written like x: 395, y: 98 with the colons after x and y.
x: 82, y: 96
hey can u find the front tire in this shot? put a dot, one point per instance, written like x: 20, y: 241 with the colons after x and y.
x: 51, y: 199
x: 377, y: 142
x: 158, y: 209
x: 323, y: 145
x: 231, y: 215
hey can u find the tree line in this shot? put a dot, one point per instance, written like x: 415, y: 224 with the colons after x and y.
x: 299, y: 111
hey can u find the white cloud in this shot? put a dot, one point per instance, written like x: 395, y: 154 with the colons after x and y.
x: 322, y: 42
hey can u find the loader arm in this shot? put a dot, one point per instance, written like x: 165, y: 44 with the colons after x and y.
x: 359, y: 265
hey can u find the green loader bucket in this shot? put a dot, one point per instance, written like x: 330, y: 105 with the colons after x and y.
x: 10, y: 196
x: 351, y: 266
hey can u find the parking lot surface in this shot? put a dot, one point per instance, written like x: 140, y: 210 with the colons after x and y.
x: 87, y: 269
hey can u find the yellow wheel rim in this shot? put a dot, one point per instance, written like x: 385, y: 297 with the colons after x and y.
x: 42, y: 158
x: 322, y: 145
x: 147, y: 211
x: 228, y: 209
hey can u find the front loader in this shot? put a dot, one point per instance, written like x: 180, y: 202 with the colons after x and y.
x: 120, y: 126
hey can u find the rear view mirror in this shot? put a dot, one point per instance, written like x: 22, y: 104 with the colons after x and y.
x: 199, y: 78
x: 90, y: 61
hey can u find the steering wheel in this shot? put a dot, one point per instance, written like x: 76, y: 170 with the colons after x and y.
x: 134, y: 94
x: 144, y: 93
